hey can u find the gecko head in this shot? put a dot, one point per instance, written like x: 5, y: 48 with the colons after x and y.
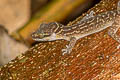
x: 46, y: 32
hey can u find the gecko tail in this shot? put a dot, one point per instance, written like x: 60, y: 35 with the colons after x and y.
x: 118, y: 5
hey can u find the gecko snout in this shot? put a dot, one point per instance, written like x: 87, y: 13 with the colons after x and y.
x: 39, y: 36
x: 35, y: 35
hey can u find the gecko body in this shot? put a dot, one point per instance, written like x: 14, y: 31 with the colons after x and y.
x: 88, y: 25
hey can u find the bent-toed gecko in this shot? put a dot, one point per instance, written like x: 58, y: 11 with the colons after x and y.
x: 88, y: 25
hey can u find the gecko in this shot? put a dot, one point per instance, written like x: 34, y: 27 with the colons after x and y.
x: 90, y: 24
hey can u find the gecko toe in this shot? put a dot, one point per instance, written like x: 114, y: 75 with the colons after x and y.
x: 64, y: 51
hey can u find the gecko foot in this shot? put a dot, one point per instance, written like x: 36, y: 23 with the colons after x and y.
x: 69, y: 47
x: 66, y: 50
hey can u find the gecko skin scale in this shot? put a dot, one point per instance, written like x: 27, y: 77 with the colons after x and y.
x: 88, y: 25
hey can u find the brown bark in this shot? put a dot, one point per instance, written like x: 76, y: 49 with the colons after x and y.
x: 95, y: 57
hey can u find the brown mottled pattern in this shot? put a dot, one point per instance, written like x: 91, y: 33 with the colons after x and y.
x: 90, y: 25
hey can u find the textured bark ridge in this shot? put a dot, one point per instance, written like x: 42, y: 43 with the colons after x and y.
x: 95, y: 57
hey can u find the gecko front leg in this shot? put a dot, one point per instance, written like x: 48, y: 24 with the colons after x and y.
x: 70, y: 46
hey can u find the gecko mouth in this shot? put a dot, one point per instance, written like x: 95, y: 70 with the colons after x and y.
x: 44, y: 37
x: 39, y: 37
